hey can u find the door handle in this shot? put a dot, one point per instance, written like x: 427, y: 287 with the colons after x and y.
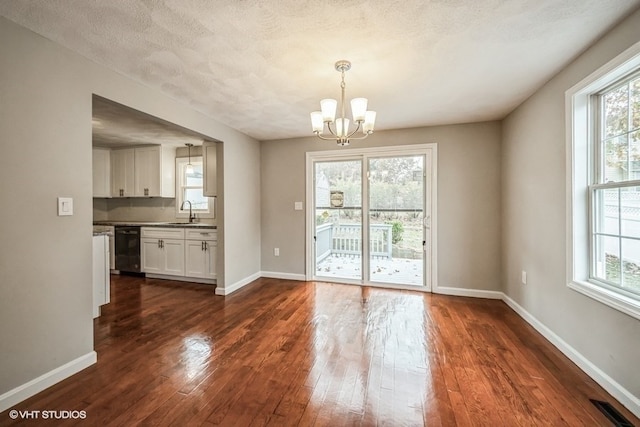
x: 427, y: 222
x: 202, y: 246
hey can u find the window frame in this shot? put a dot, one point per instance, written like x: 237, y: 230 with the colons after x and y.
x: 584, y: 176
x: 181, y: 163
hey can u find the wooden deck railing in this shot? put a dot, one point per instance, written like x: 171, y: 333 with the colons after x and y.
x: 346, y: 239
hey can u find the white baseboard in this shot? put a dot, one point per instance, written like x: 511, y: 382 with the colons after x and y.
x: 284, y: 276
x: 624, y: 396
x: 25, y: 391
x: 462, y: 292
x: 235, y: 286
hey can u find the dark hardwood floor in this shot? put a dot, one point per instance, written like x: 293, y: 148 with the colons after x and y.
x: 290, y: 353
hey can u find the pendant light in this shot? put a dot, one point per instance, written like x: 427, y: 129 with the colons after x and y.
x: 189, y: 165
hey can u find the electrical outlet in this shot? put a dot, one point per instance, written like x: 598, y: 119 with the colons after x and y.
x: 276, y: 251
x: 524, y: 277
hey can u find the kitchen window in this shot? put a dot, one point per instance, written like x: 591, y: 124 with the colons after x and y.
x: 603, y: 116
x: 189, y: 188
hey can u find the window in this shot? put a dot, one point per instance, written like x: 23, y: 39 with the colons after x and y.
x: 603, y: 116
x: 615, y: 193
x: 189, y: 188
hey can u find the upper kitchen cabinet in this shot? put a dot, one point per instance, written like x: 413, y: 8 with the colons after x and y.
x: 143, y: 172
x: 209, y: 160
x: 154, y: 173
x: 101, y: 172
x: 122, y: 172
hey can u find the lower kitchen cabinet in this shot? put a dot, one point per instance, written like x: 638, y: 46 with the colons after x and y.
x: 162, y: 251
x: 200, y: 258
x: 162, y: 256
x: 183, y: 253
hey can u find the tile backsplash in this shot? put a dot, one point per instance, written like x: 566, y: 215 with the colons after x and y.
x: 138, y: 209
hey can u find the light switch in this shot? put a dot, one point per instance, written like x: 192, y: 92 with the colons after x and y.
x: 65, y: 206
x: 297, y: 206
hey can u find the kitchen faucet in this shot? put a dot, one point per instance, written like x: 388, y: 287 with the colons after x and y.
x: 191, y: 215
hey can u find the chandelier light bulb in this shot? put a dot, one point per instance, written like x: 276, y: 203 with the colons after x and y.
x: 328, y: 107
x: 369, y: 122
x: 342, y: 128
x: 316, y: 122
x: 358, y: 109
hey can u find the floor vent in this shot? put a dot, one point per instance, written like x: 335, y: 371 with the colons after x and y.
x: 611, y: 413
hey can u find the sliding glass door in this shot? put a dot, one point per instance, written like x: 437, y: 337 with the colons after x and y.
x: 338, y: 219
x: 396, y: 220
x: 376, y: 229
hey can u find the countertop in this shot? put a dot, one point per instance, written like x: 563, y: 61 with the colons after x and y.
x: 156, y: 224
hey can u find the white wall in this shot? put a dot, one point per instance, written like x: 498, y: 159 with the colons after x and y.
x: 534, y: 230
x: 45, y: 260
x: 468, y: 200
x: 241, y: 214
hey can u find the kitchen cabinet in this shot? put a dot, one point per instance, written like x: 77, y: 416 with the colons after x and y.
x: 162, y: 251
x: 111, y: 235
x: 101, y: 278
x: 122, y: 172
x: 209, y: 165
x: 200, y: 253
x: 101, y: 172
x: 143, y: 172
x: 154, y: 171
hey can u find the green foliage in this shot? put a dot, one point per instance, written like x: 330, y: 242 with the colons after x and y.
x: 322, y: 218
x: 397, y: 230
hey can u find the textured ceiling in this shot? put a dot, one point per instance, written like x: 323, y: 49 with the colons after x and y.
x: 261, y: 66
x: 115, y: 125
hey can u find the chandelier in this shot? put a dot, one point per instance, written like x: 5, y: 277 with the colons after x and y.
x: 363, y: 118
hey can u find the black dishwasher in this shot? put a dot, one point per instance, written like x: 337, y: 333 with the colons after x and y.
x: 127, y: 248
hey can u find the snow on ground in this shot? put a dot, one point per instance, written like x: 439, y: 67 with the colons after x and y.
x: 394, y: 270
